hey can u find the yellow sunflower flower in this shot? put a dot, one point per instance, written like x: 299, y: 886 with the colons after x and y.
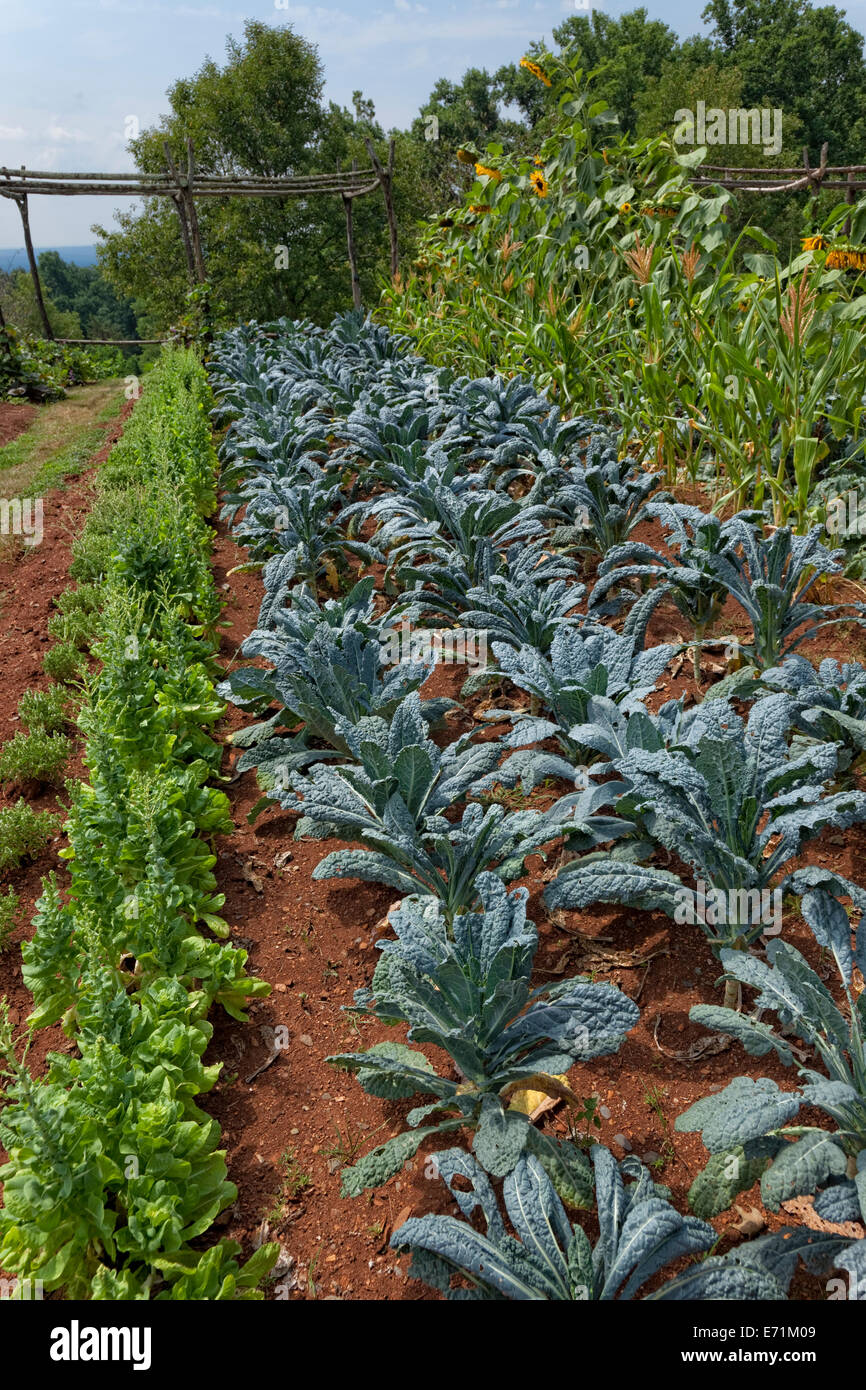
x: 539, y: 183
x: 846, y: 258
x: 482, y: 171
x: 479, y: 208
x: 626, y: 207
x: 814, y: 243
x: 535, y: 70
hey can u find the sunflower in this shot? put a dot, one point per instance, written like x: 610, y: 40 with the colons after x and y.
x: 465, y: 157
x: 814, y: 243
x: 647, y: 210
x: 626, y: 207
x: 479, y: 208
x: 538, y: 162
x: 846, y: 258
x: 482, y: 171
x: 539, y: 183
x: 535, y: 70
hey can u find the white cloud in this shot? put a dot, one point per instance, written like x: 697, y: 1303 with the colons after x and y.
x: 12, y: 132
x: 58, y: 132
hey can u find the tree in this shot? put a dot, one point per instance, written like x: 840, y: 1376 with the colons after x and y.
x: 681, y: 86
x: 459, y: 114
x: 809, y: 62
x: 261, y: 113
x: 83, y: 289
x: 18, y: 301
x: 624, y: 52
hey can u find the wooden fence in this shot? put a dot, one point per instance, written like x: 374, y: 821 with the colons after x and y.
x: 184, y: 186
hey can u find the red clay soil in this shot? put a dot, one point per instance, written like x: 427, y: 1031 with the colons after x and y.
x: 315, y: 941
x: 30, y: 579
x: 15, y: 419
x: 288, y: 1128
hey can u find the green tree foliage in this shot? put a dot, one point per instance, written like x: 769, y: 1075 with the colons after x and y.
x: 681, y: 85
x: 18, y: 302
x: 625, y: 53
x: 467, y: 114
x: 261, y: 113
x: 83, y: 290
x: 807, y: 61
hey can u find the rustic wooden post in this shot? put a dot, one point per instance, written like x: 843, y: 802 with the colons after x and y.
x: 350, y: 240
x: 850, y: 198
x: 34, y: 269
x: 385, y: 177
x: 192, y: 215
x: 180, y: 207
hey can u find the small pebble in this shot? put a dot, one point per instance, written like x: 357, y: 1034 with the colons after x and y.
x: 623, y: 1142
x: 604, y: 1111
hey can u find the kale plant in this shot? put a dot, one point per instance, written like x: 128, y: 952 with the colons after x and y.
x: 393, y: 798
x: 746, y: 1127
x: 583, y: 663
x: 640, y: 1233
x: 734, y: 805
x: 464, y: 985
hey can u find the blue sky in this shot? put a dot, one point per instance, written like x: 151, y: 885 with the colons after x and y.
x: 74, y: 71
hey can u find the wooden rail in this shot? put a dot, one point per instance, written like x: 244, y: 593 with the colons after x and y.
x: 186, y: 184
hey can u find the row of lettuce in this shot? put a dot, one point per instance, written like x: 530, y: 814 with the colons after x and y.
x: 485, y: 511
x: 114, y: 1175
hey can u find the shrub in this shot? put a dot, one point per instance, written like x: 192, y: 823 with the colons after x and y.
x: 63, y: 662
x: 24, y: 833
x: 36, y: 757
x: 44, y: 710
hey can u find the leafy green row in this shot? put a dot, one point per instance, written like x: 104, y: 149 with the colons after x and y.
x: 113, y: 1170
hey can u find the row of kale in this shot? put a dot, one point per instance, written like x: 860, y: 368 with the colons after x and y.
x: 479, y: 501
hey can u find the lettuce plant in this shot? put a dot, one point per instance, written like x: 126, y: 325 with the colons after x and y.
x: 113, y: 1170
x: 464, y: 985
x: 547, y: 1257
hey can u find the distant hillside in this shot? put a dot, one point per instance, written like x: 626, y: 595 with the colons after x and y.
x: 15, y: 257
